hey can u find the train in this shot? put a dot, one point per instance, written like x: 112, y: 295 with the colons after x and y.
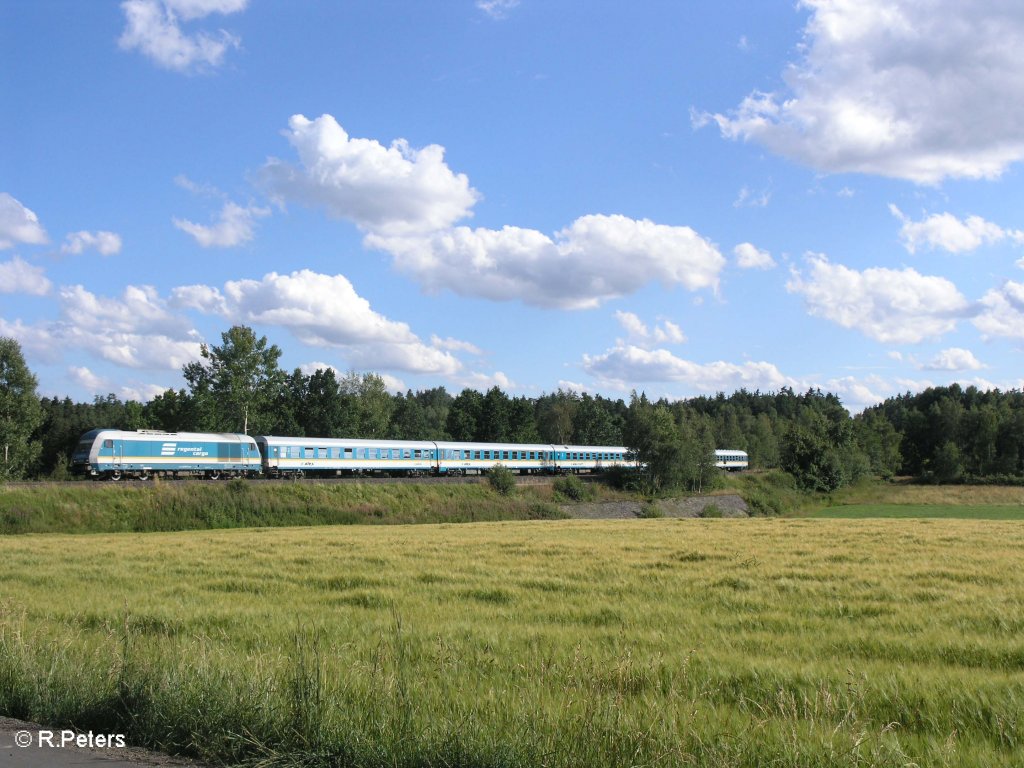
x: 111, y: 454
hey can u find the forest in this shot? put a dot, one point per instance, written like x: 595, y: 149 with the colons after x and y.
x: 941, y: 435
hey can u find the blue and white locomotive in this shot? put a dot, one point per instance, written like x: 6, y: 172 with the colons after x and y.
x: 113, y: 454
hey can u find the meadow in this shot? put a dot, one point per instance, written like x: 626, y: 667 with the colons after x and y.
x: 761, y: 642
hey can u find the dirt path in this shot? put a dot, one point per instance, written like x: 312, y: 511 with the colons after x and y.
x: 45, y: 750
x: 729, y: 505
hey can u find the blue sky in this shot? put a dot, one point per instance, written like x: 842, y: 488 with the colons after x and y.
x: 682, y: 198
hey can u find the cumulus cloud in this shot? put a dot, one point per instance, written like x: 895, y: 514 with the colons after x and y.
x: 325, y: 310
x: 888, y: 305
x: 627, y: 364
x: 946, y: 231
x: 18, y: 276
x: 954, y: 359
x: 86, y: 379
x: 1002, y: 312
x: 639, y: 334
x: 234, y: 226
x: 407, y: 202
x: 455, y: 345
x: 898, y: 88
x: 390, y: 190
x: 97, y: 385
x: 205, y: 298
x: 749, y: 256
x: 595, y: 258
x: 135, y: 330
x: 106, y: 243
x: 18, y: 224
x: 154, y: 28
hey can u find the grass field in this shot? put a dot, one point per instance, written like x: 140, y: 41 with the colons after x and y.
x: 947, y: 511
x: 771, y: 642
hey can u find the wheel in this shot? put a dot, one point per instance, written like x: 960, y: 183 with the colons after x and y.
x: 115, y: 475
x: 214, y: 475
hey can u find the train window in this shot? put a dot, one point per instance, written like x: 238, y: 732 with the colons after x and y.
x: 308, y: 453
x: 348, y: 453
x: 108, y: 443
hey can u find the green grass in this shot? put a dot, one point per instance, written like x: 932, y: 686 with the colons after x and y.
x: 176, y: 506
x: 765, y: 642
x: 948, y: 511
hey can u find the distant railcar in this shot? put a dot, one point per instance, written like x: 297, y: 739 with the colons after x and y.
x: 731, y: 460
x: 113, y: 454
x: 300, y: 456
x: 456, y: 458
x: 588, y: 458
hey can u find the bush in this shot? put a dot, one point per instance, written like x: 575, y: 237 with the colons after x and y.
x: 502, y: 480
x: 622, y: 478
x: 572, y: 488
x: 711, y: 510
x: 649, y: 510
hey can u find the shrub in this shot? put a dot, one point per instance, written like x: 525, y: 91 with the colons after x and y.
x: 711, y: 510
x: 649, y: 510
x: 502, y: 480
x: 572, y: 488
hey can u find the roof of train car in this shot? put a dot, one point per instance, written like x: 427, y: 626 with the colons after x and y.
x: 494, y: 446
x: 332, y: 442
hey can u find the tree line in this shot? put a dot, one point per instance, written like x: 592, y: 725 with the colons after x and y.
x: 943, y: 434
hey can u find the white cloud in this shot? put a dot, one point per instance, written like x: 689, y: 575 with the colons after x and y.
x: 626, y: 365
x: 325, y: 310
x: 135, y: 330
x: 901, y: 88
x: 595, y: 258
x: 954, y: 359
x: 107, y: 243
x: 496, y: 9
x: 748, y: 199
x: 946, y: 231
x: 234, y: 226
x: 1002, y: 311
x: 139, y: 310
x: 390, y: 190
x: 484, y: 381
x: 888, y: 305
x: 205, y: 298
x: 454, y: 345
x: 154, y: 28
x: 748, y: 256
x: 666, y: 333
x: 18, y: 276
x: 18, y: 224
x: 86, y: 379
x: 98, y: 385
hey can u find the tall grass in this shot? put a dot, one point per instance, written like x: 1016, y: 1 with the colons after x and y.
x: 177, y: 506
x: 606, y: 643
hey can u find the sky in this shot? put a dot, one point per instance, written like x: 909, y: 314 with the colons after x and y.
x: 679, y: 198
